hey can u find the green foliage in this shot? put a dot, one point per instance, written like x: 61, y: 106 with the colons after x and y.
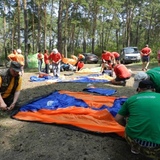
x: 104, y: 24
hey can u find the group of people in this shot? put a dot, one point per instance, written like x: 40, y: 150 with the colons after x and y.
x: 55, y: 59
x: 140, y: 113
x: 111, y: 64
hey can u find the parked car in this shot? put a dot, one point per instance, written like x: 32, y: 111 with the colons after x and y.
x: 130, y: 54
x: 90, y: 58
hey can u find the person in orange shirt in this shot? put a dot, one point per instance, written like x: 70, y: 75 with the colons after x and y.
x: 40, y: 60
x: 55, y: 58
x: 46, y: 61
x: 145, y: 54
x: 20, y: 59
x: 122, y: 74
x: 12, y: 56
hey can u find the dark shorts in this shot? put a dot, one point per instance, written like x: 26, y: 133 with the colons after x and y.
x: 117, y: 59
x: 121, y: 79
x: 151, y: 152
x: 145, y: 59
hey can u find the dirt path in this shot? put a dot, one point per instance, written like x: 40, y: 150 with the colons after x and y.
x: 35, y: 141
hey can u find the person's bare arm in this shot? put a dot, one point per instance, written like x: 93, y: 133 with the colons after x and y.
x: 120, y: 119
x: 3, y: 105
x: 16, y: 96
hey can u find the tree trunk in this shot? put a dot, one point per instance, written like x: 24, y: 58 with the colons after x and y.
x: 60, y: 26
x: 18, y: 25
x: 25, y: 33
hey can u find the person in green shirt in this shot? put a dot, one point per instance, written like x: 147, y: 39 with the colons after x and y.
x: 140, y: 115
x: 152, y: 74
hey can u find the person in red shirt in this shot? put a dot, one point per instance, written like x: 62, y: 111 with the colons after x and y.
x: 107, y: 59
x: 145, y: 54
x: 46, y: 61
x: 79, y: 65
x: 122, y: 74
x: 55, y: 58
x: 116, y: 57
x: 40, y: 60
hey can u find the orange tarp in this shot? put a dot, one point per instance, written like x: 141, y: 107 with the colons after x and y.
x: 100, y: 121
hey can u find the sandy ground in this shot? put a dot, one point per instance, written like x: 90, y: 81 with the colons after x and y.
x: 36, y: 141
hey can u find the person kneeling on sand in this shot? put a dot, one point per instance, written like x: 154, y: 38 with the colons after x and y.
x: 10, y: 86
x: 122, y: 74
x: 140, y: 116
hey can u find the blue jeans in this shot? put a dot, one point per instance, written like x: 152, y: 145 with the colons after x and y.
x: 40, y: 65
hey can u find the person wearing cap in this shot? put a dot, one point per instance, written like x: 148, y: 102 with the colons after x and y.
x: 20, y: 59
x: 140, y: 115
x: 145, y: 54
x: 10, y: 86
x: 122, y: 74
x: 152, y: 74
x: 55, y: 58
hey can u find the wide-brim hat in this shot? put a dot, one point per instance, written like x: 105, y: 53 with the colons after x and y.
x: 16, y: 66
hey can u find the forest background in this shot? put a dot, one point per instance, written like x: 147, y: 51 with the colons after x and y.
x: 78, y: 26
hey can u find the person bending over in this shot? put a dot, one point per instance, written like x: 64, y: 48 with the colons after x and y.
x: 140, y: 116
x: 152, y: 74
x: 10, y: 86
x: 122, y: 74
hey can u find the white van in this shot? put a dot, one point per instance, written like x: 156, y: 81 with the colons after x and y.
x: 129, y: 55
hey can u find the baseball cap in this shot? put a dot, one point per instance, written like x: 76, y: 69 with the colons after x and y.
x: 16, y: 66
x: 146, y: 84
x: 139, y: 77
